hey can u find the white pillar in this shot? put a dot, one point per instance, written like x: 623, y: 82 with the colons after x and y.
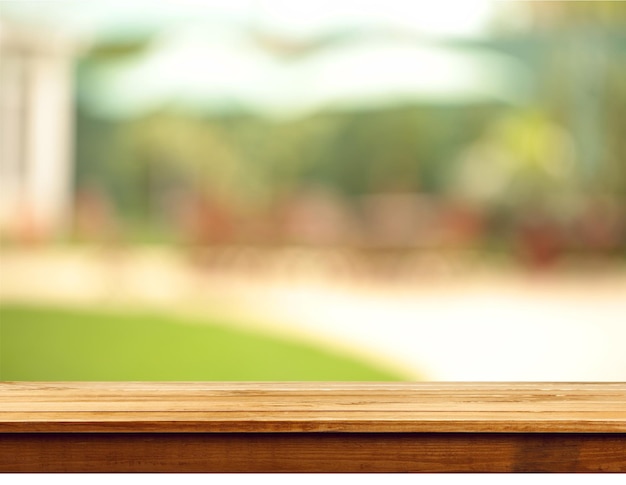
x: 48, y: 138
x: 11, y: 135
x: 36, y: 131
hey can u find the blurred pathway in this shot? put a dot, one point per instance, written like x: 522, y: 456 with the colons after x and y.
x: 490, y: 326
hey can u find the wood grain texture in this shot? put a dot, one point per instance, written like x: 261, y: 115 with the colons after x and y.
x: 313, y: 407
x: 312, y: 427
x: 310, y: 452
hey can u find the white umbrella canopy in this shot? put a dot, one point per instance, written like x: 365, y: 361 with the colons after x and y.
x: 194, y: 70
x: 197, y: 72
x: 381, y: 73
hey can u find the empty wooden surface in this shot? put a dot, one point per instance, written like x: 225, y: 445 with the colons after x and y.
x: 312, y: 407
x: 188, y: 426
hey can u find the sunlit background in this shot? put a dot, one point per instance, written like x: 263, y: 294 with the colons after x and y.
x: 298, y: 190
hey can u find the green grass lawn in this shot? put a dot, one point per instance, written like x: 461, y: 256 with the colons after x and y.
x: 49, y: 343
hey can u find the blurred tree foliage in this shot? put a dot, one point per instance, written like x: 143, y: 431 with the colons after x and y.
x: 568, y: 143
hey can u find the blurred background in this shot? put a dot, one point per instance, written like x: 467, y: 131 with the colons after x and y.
x: 330, y: 190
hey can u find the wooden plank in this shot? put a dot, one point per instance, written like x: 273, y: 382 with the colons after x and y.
x: 311, y: 407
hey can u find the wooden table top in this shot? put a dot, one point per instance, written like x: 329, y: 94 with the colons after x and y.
x: 261, y: 407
